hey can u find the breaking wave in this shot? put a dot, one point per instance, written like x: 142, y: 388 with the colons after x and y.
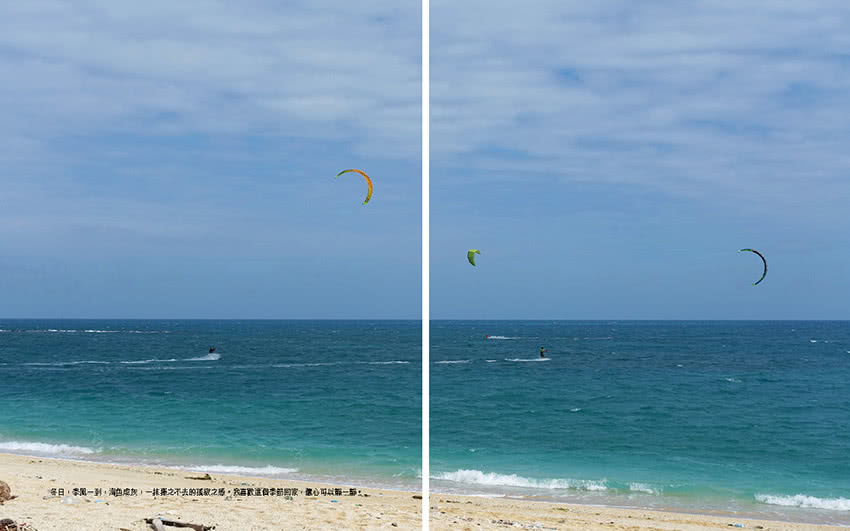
x: 801, y: 500
x: 476, y: 477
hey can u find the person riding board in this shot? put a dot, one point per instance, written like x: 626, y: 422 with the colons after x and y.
x: 542, y: 350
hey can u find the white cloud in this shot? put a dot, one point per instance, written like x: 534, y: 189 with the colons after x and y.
x: 723, y: 100
x: 129, y: 123
x: 216, y: 67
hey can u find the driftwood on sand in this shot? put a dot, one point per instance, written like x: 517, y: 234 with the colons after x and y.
x: 204, y: 477
x: 158, y: 524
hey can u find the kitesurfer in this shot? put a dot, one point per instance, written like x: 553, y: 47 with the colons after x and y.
x: 212, y: 349
x: 542, y: 350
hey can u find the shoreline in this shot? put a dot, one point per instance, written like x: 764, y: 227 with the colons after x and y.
x: 450, y: 512
x: 779, y: 513
x: 631, y: 509
x: 31, y: 479
x: 243, y: 470
x: 230, y: 502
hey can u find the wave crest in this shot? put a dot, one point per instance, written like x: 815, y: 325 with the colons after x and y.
x: 478, y: 477
x: 46, y: 448
x: 801, y: 500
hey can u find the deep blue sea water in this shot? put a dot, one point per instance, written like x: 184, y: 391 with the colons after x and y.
x: 338, y: 401
x: 748, y: 417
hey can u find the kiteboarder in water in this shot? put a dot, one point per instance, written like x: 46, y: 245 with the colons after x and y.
x: 212, y: 349
x: 542, y: 350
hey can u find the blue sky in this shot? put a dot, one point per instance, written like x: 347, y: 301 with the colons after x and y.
x: 610, y: 158
x: 177, y: 159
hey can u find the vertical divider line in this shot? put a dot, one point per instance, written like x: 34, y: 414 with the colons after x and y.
x: 426, y: 269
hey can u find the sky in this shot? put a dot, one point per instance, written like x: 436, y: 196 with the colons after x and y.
x: 177, y: 159
x: 609, y: 159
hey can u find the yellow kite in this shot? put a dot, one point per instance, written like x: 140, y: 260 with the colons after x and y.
x: 368, y: 180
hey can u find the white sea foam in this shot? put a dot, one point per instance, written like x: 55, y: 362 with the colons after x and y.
x: 801, y: 500
x: 813, y: 341
x: 575, y: 409
x: 209, y: 357
x: 212, y: 356
x: 86, y: 331
x: 501, y: 337
x: 134, y: 362
x: 733, y: 380
x: 394, y: 362
x: 526, y: 359
x: 60, y: 363
x: 453, y: 361
x: 643, y: 487
x: 45, y: 448
x: 287, y: 365
x: 493, y: 361
x: 267, y: 470
x: 476, y: 477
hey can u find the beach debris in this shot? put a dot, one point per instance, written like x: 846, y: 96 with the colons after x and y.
x: 417, y: 497
x: 10, y: 525
x: 737, y: 525
x: 162, y: 522
x: 5, y: 493
x: 205, y: 477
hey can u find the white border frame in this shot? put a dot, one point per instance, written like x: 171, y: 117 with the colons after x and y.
x: 426, y: 256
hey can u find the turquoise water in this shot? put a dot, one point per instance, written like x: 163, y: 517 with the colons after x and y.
x: 744, y: 417
x: 323, y: 400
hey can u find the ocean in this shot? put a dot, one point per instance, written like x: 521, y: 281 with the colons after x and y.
x: 331, y: 401
x: 750, y: 418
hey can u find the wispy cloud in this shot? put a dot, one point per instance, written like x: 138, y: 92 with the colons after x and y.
x: 727, y: 101
x: 172, y: 130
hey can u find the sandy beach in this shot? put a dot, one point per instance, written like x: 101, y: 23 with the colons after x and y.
x: 464, y: 513
x: 32, y: 478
